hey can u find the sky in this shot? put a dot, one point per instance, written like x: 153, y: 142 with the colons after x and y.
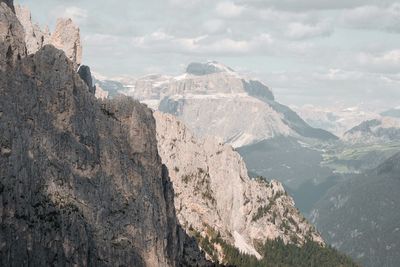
x: 320, y: 52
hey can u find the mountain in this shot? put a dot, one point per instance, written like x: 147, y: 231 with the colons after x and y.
x: 382, y: 130
x: 337, y: 120
x: 394, y: 113
x: 360, y: 217
x: 298, y: 165
x: 65, y: 37
x: 214, y: 194
x: 82, y: 181
x: 214, y: 100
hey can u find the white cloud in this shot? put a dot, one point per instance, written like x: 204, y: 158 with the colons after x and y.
x: 160, y: 41
x: 185, y: 3
x: 214, y: 26
x: 77, y: 14
x: 388, y: 62
x: 314, y: 4
x: 229, y: 9
x: 373, y: 17
x: 298, y: 30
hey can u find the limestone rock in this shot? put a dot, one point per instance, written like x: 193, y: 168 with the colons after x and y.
x: 100, y: 93
x: 213, y: 190
x: 86, y: 76
x: 35, y: 38
x: 9, y: 3
x: 66, y: 37
x: 12, y: 47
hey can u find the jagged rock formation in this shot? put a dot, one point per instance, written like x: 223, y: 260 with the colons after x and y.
x: 86, y: 75
x: 213, y: 190
x: 81, y: 180
x: 35, y: 38
x: 12, y: 46
x: 361, y: 216
x: 381, y: 130
x: 202, y: 96
x: 100, y: 93
x: 66, y: 36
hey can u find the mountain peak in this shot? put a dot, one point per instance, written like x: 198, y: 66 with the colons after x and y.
x: 207, y: 68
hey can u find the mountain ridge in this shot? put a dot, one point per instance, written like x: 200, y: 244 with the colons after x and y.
x: 254, y: 114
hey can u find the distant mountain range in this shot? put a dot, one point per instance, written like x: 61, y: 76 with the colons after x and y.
x: 394, y: 112
x: 212, y: 99
x: 382, y: 130
x: 337, y: 120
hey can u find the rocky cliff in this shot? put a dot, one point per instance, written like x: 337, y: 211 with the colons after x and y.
x: 65, y: 37
x: 213, y: 191
x: 35, y: 38
x: 82, y: 182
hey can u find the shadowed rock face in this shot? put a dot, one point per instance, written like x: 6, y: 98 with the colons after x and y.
x: 81, y: 181
x: 86, y: 75
x: 9, y: 3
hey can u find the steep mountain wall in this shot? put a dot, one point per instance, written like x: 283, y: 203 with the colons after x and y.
x: 81, y: 181
x: 213, y: 191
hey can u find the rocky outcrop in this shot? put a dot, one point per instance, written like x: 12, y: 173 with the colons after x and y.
x: 213, y: 191
x: 81, y: 182
x: 9, y: 3
x: 66, y: 36
x: 35, y: 38
x: 12, y: 47
x: 100, y: 93
x: 86, y: 76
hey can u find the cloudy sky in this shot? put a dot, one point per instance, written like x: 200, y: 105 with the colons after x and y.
x: 321, y: 52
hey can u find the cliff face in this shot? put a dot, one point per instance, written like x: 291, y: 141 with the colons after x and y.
x: 65, y: 37
x: 213, y: 191
x: 12, y: 45
x: 9, y: 3
x: 81, y: 181
x: 35, y: 38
